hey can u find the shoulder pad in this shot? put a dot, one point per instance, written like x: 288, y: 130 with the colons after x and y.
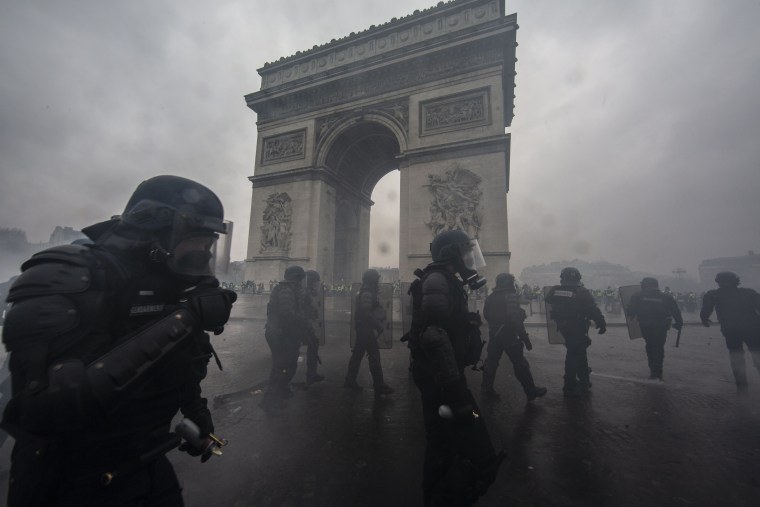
x: 65, y: 269
x: 78, y: 255
x: 435, y: 282
x: 50, y: 276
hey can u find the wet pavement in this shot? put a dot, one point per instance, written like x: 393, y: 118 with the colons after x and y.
x: 630, y: 442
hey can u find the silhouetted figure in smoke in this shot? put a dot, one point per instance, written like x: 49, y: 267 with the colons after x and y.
x: 369, y: 323
x: 507, y: 334
x: 654, y: 310
x: 313, y: 300
x: 286, y: 328
x: 107, y: 343
x: 738, y: 311
x: 460, y: 461
x: 573, y: 307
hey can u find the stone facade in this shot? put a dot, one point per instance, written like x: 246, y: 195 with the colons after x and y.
x: 428, y: 95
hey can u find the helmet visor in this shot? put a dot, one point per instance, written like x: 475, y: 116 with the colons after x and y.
x: 472, y: 256
x: 193, y: 255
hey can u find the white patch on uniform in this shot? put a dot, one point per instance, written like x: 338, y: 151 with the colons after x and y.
x: 564, y: 293
x: 145, y: 293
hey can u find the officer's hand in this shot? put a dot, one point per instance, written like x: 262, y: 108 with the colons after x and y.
x: 205, y: 454
x: 526, y: 340
x: 212, y: 306
x: 677, y: 326
x: 706, y: 322
x: 602, y: 329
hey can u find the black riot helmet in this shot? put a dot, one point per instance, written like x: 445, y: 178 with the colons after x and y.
x: 294, y: 274
x: 570, y: 276
x: 727, y: 279
x: 371, y: 277
x: 182, y: 219
x: 649, y: 283
x: 505, y: 281
x: 312, y: 279
x: 464, y: 254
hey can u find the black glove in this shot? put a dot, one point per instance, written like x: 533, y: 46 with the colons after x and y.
x: 526, y: 340
x: 678, y: 326
x: 192, y: 451
x: 706, y: 322
x: 602, y: 328
x: 212, y: 306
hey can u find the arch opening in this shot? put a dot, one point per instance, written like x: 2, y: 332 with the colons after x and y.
x: 359, y: 156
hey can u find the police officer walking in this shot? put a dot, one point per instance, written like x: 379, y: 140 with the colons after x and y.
x: 506, y: 329
x: 311, y: 301
x: 460, y: 461
x: 368, y: 326
x: 285, y: 329
x: 107, y: 343
x: 654, y: 310
x: 573, y: 307
x: 738, y: 311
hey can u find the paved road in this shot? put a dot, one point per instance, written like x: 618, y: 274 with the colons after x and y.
x: 631, y: 442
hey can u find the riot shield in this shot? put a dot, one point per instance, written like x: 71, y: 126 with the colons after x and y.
x: 383, y: 313
x: 555, y: 337
x: 626, y: 292
x: 318, y: 324
x: 406, y: 308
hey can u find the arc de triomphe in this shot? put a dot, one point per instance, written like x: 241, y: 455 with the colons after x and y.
x: 429, y: 95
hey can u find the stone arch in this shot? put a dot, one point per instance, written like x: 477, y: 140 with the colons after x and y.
x: 428, y: 94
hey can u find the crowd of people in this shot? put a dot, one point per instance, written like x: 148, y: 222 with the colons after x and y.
x: 109, y: 340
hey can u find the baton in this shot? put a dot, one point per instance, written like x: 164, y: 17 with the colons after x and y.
x: 678, y: 338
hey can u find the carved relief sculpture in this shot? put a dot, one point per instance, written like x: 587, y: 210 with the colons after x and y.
x: 277, y: 219
x: 455, y: 203
x: 284, y: 147
x: 455, y: 112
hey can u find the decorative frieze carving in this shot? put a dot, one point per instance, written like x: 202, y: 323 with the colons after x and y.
x: 460, y: 111
x: 455, y: 203
x: 428, y: 26
x: 284, y: 147
x: 376, y: 82
x: 277, y: 220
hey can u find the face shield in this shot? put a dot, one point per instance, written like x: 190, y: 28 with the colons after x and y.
x: 472, y: 261
x: 192, y: 245
x: 472, y: 256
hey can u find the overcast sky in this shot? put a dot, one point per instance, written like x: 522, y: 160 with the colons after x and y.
x: 636, y: 138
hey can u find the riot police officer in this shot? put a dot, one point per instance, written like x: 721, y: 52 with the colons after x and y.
x: 368, y: 323
x: 460, y: 461
x: 654, y: 310
x: 286, y: 328
x: 506, y: 330
x: 738, y: 311
x: 312, y: 299
x: 107, y: 343
x: 573, y: 307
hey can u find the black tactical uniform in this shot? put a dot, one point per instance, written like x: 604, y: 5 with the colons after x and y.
x: 368, y: 324
x: 738, y: 311
x: 107, y: 344
x: 311, y: 304
x: 506, y: 330
x: 654, y: 310
x: 572, y: 308
x: 286, y: 328
x: 460, y: 461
